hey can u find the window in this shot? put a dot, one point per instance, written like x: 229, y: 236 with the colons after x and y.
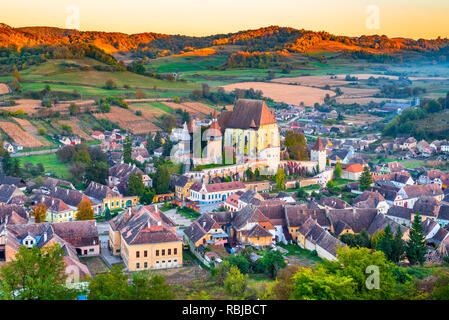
x: 169, y: 252
x: 91, y: 250
x: 137, y: 265
x: 157, y: 253
x: 163, y: 252
x: 137, y: 254
x: 175, y: 251
x: 145, y: 253
x: 145, y: 265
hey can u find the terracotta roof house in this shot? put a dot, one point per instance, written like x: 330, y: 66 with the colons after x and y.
x: 400, y: 215
x: 119, y: 175
x: 146, y: 239
x: 205, y: 230
x: 71, y: 197
x: 350, y: 220
x: 13, y: 214
x: 39, y: 235
x: 352, y: 171
x: 369, y: 199
x: 232, y: 202
x: 57, y: 210
x: 381, y: 221
x: 313, y: 237
x: 410, y: 194
x: 8, y: 192
x: 51, y: 183
x: 103, y: 198
x: 246, y: 220
x: 332, y: 203
x: 82, y: 235
x: 18, y: 182
x: 443, y: 216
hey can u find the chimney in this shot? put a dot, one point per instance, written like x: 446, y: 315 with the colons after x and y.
x: 204, y: 224
x: 149, y: 224
x: 159, y: 223
x: 45, y: 236
x: 155, y: 208
x: 130, y: 212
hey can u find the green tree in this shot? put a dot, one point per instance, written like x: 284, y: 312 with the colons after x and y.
x: 271, y: 263
x: 365, y: 180
x: 366, y: 267
x: 318, y: 284
x: 146, y: 287
x: 337, y: 171
x: 97, y: 171
x: 398, y: 246
x: 150, y: 143
x: 280, y: 179
x: 15, y: 170
x: 221, y: 272
x: 127, y: 150
x: 147, y: 196
x: 161, y: 179
x: 240, y: 262
x: 112, y: 285
x: 201, y: 295
x: 157, y: 140
x: 440, y: 290
x: 235, y: 282
x: 82, y: 156
x: 386, y: 242
x: 416, y: 245
x: 135, y: 186
x: 7, y: 163
x: 74, y: 109
x: 36, y: 274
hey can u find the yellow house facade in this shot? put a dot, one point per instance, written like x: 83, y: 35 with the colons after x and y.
x: 151, y: 256
x: 145, y: 239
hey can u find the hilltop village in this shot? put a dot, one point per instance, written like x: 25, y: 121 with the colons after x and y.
x: 251, y: 165
x: 242, y: 185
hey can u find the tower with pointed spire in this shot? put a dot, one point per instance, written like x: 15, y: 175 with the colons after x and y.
x: 214, y: 139
x: 318, y: 154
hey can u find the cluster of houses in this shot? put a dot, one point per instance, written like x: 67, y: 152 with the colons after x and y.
x: 413, y: 148
x: 247, y: 214
x: 61, y: 199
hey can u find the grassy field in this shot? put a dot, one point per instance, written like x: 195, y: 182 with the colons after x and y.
x: 96, y: 265
x: 300, y: 256
x: 51, y: 164
x: 91, y: 82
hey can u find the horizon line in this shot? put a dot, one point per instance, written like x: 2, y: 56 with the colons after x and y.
x: 223, y: 33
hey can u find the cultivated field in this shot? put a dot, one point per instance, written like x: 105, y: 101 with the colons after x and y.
x: 291, y: 94
x: 20, y: 136
x: 74, y: 123
x: 28, y: 106
x: 312, y: 81
x: 31, y: 129
x: 127, y: 120
x: 194, y: 108
x: 4, y: 89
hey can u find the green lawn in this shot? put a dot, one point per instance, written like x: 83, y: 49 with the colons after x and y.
x: 51, y: 164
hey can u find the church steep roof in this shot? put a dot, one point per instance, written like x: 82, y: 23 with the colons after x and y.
x: 247, y: 114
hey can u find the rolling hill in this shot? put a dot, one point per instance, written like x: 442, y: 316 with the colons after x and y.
x: 262, y: 39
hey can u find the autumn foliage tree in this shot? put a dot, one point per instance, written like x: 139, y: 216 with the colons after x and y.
x: 85, y: 211
x: 39, y: 213
x: 295, y: 143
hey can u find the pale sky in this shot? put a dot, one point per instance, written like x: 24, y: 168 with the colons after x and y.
x: 397, y: 18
